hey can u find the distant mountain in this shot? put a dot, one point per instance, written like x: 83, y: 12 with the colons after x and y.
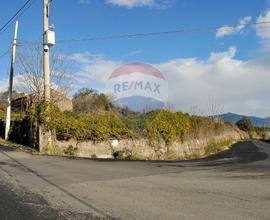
x: 140, y: 103
x: 256, y: 121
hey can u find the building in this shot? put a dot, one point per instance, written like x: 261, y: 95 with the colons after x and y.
x: 23, y: 103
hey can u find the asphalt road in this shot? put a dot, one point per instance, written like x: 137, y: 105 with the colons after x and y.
x: 231, y: 185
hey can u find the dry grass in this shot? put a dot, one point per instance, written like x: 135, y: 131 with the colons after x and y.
x: 216, y: 147
x: 53, y: 150
x: 213, y: 147
x: 2, y: 141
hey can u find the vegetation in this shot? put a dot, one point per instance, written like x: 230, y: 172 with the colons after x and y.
x: 2, y: 141
x: 95, y: 127
x: 168, y: 127
x: 245, y: 124
x: 96, y: 118
x: 123, y: 155
x: 215, y: 147
x: 202, y: 127
x: 3, y: 106
x: 70, y: 150
x: 53, y: 150
x: 89, y: 101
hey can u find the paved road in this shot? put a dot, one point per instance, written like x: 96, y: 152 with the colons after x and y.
x: 231, y: 185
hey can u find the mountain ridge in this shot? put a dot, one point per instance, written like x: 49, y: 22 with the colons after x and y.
x: 256, y: 121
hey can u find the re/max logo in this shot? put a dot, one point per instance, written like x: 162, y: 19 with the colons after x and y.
x: 136, y: 85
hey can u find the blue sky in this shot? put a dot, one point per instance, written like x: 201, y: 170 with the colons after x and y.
x: 94, y: 18
x: 90, y: 18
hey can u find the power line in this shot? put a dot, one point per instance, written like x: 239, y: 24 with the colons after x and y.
x: 4, y: 54
x: 18, y: 14
x: 133, y: 35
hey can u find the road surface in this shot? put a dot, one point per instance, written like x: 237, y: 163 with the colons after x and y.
x: 231, y: 185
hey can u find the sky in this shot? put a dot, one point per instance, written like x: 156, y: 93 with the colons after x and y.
x: 228, y: 66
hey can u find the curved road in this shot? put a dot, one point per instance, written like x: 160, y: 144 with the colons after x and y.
x: 234, y: 184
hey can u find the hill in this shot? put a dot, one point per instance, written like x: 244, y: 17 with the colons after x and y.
x: 256, y: 121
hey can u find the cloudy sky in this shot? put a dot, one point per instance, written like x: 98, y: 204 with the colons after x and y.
x: 229, y: 65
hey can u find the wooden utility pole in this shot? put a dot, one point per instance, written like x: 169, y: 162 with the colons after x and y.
x: 13, y: 56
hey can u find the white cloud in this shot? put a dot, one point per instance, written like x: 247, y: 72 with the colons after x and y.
x: 131, y: 3
x: 133, y: 53
x: 233, y: 83
x: 229, y: 30
x: 84, y: 2
x: 263, y: 30
x: 134, y: 3
x: 94, y: 68
x: 239, y: 86
x: 18, y: 83
x: 139, y: 3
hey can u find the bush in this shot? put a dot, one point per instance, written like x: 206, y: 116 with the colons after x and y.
x: 119, y: 155
x: 245, y: 124
x: 123, y: 155
x: 2, y: 114
x: 167, y: 126
x: 2, y: 128
x: 96, y: 127
x: 203, y: 127
x: 20, y: 131
x: 70, y: 150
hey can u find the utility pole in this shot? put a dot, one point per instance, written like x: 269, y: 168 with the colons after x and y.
x: 46, y: 53
x: 13, y: 56
x: 48, y: 41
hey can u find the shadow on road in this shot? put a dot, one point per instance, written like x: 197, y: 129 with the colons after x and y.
x: 242, y: 152
x: 243, y: 156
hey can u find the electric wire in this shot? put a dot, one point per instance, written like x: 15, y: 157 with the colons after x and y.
x: 146, y: 34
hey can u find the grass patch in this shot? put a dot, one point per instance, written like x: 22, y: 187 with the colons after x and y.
x: 2, y: 141
x: 53, y: 150
x: 216, y: 147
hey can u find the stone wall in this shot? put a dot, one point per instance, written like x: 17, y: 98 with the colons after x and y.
x: 142, y: 149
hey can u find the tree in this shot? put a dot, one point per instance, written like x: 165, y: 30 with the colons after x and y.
x: 214, y: 110
x: 88, y: 101
x: 30, y: 68
x: 245, y: 124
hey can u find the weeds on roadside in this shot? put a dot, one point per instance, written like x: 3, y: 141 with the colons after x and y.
x: 2, y: 141
x: 216, y: 147
x: 70, y: 150
x: 53, y: 150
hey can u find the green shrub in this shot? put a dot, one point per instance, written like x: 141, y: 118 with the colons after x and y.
x: 119, y: 155
x: 2, y: 114
x: 245, y: 124
x: 20, y: 131
x: 96, y: 127
x: 167, y: 126
x: 70, y: 150
x: 2, y: 128
x: 123, y: 155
